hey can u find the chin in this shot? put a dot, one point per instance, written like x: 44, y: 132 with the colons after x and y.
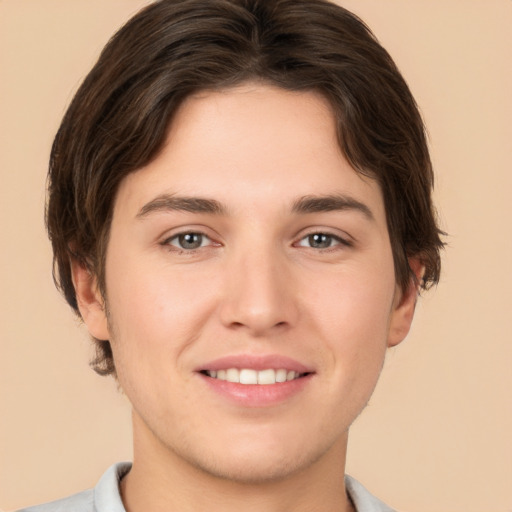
x: 256, y: 461
x: 258, y: 469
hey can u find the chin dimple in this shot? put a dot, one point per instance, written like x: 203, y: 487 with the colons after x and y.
x: 248, y: 376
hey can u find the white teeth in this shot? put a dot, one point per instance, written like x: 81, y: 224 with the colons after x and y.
x: 248, y: 376
x: 281, y: 376
x: 267, y: 377
x: 232, y: 375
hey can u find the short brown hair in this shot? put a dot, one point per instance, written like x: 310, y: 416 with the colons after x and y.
x: 119, y: 118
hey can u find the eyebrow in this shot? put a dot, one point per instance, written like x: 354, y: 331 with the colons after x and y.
x: 330, y: 203
x: 167, y: 202
x: 304, y: 205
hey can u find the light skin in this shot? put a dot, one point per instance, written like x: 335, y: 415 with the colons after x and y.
x: 248, y: 237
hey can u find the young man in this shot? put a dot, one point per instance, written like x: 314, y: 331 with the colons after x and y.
x: 240, y: 212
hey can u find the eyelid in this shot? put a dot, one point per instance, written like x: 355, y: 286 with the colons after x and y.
x: 343, y: 239
x: 184, y: 230
x: 177, y: 236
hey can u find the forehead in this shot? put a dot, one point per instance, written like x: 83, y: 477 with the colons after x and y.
x: 258, y: 110
x: 254, y: 142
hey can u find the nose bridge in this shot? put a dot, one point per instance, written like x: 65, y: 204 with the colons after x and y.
x: 259, y: 295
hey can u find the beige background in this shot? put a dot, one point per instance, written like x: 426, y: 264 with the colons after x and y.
x: 437, y: 434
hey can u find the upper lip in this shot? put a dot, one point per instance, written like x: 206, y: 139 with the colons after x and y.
x: 256, y: 362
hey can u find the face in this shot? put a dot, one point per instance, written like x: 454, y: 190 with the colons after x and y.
x: 250, y: 287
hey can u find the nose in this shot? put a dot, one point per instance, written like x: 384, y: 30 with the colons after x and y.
x: 260, y: 296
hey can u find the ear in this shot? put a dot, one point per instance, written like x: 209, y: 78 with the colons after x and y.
x: 90, y: 302
x: 404, y: 305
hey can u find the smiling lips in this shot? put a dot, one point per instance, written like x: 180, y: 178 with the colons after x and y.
x: 249, y: 380
x: 250, y: 376
x: 244, y: 391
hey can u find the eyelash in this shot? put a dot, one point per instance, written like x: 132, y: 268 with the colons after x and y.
x: 169, y: 241
x: 334, y: 241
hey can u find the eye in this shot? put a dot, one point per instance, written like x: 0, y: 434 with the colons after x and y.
x: 321, y: 241
x: 188, y: 241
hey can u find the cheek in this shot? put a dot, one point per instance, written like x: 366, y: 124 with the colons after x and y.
x: 354, y: 315
x: 152, y: 320
x: 356, y: 302
x: 154, y: 304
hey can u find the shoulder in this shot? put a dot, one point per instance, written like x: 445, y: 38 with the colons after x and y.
x: 105, y: 497
x: 81, y: 502
x: 362, y: 499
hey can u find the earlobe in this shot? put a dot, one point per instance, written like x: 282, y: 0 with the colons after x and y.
x: 90, y: 301
x: 405, y: 304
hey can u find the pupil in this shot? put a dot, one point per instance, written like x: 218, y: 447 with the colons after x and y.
x: 190, y: 240
x: 320, y: 240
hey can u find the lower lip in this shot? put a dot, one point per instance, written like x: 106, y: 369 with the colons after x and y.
x: 257, y: 395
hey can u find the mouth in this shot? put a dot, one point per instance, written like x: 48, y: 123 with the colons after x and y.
x: 250, y: 376
x: 257, y: 381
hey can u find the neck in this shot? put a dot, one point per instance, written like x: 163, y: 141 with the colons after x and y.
x: 162, y: 481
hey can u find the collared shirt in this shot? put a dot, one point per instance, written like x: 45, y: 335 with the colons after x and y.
x: 106, y: 497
